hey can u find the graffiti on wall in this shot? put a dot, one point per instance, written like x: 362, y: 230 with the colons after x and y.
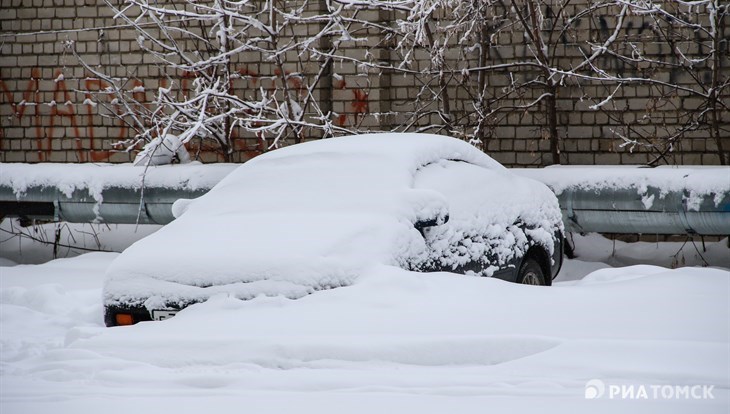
x: 47, y: 126
x: 359, y: 105
x: 72, y: 114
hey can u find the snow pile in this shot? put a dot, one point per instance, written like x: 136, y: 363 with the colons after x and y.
x: 594, y: 248
x: 394, y: 340
x: 697, y: 181
x: 94, y: 178
x: 163, y: 151
x: 305, y: 218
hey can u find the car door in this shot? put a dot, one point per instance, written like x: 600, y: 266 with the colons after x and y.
x: 483, y: 235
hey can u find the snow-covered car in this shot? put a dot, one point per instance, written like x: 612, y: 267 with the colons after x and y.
x: 314, y: 216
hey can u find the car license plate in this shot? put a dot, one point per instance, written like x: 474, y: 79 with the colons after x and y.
x: 161, y: 315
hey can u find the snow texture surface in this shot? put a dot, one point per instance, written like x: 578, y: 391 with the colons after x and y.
x: 394, y: 341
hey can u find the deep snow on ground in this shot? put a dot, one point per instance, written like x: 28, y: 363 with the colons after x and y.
x: 393, y: 342
x: 594, y: 251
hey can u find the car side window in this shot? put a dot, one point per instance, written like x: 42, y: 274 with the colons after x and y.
x: 469, y: 189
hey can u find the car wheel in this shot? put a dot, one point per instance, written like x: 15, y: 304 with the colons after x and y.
x: 531, y: 273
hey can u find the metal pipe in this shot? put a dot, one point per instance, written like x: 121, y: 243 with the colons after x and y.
x: 596, y: 209
x: 625, y: 211
x: 118, y: 205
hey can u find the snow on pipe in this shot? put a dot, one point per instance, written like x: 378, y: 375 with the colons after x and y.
x: 600, y: 207
x: 636, y: 199
x: 107, y: 193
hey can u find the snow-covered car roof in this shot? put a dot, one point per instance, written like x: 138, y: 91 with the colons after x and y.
x: 296, y: 220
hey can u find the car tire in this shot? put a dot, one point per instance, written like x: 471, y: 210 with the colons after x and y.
x: 531, y: 273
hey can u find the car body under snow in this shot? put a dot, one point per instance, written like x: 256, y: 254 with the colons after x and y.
x: 313, y: 216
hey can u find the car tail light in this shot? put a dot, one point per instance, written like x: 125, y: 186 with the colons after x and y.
x: 124, y: 319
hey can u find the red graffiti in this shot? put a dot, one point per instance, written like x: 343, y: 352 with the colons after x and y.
x: 64, y: 112
x: 292, y: 81
x: 19, y: 109
x: 62, y: 107
x: 62, y: 98
x: 360, y: 104
x: 251, y: 75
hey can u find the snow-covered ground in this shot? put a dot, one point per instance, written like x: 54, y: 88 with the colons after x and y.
x: 393, y: 342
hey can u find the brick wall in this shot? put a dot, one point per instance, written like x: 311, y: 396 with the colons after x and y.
x: 50, y: 113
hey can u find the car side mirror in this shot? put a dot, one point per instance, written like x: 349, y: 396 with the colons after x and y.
x: 430, y: 209
x: 422, y: 224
